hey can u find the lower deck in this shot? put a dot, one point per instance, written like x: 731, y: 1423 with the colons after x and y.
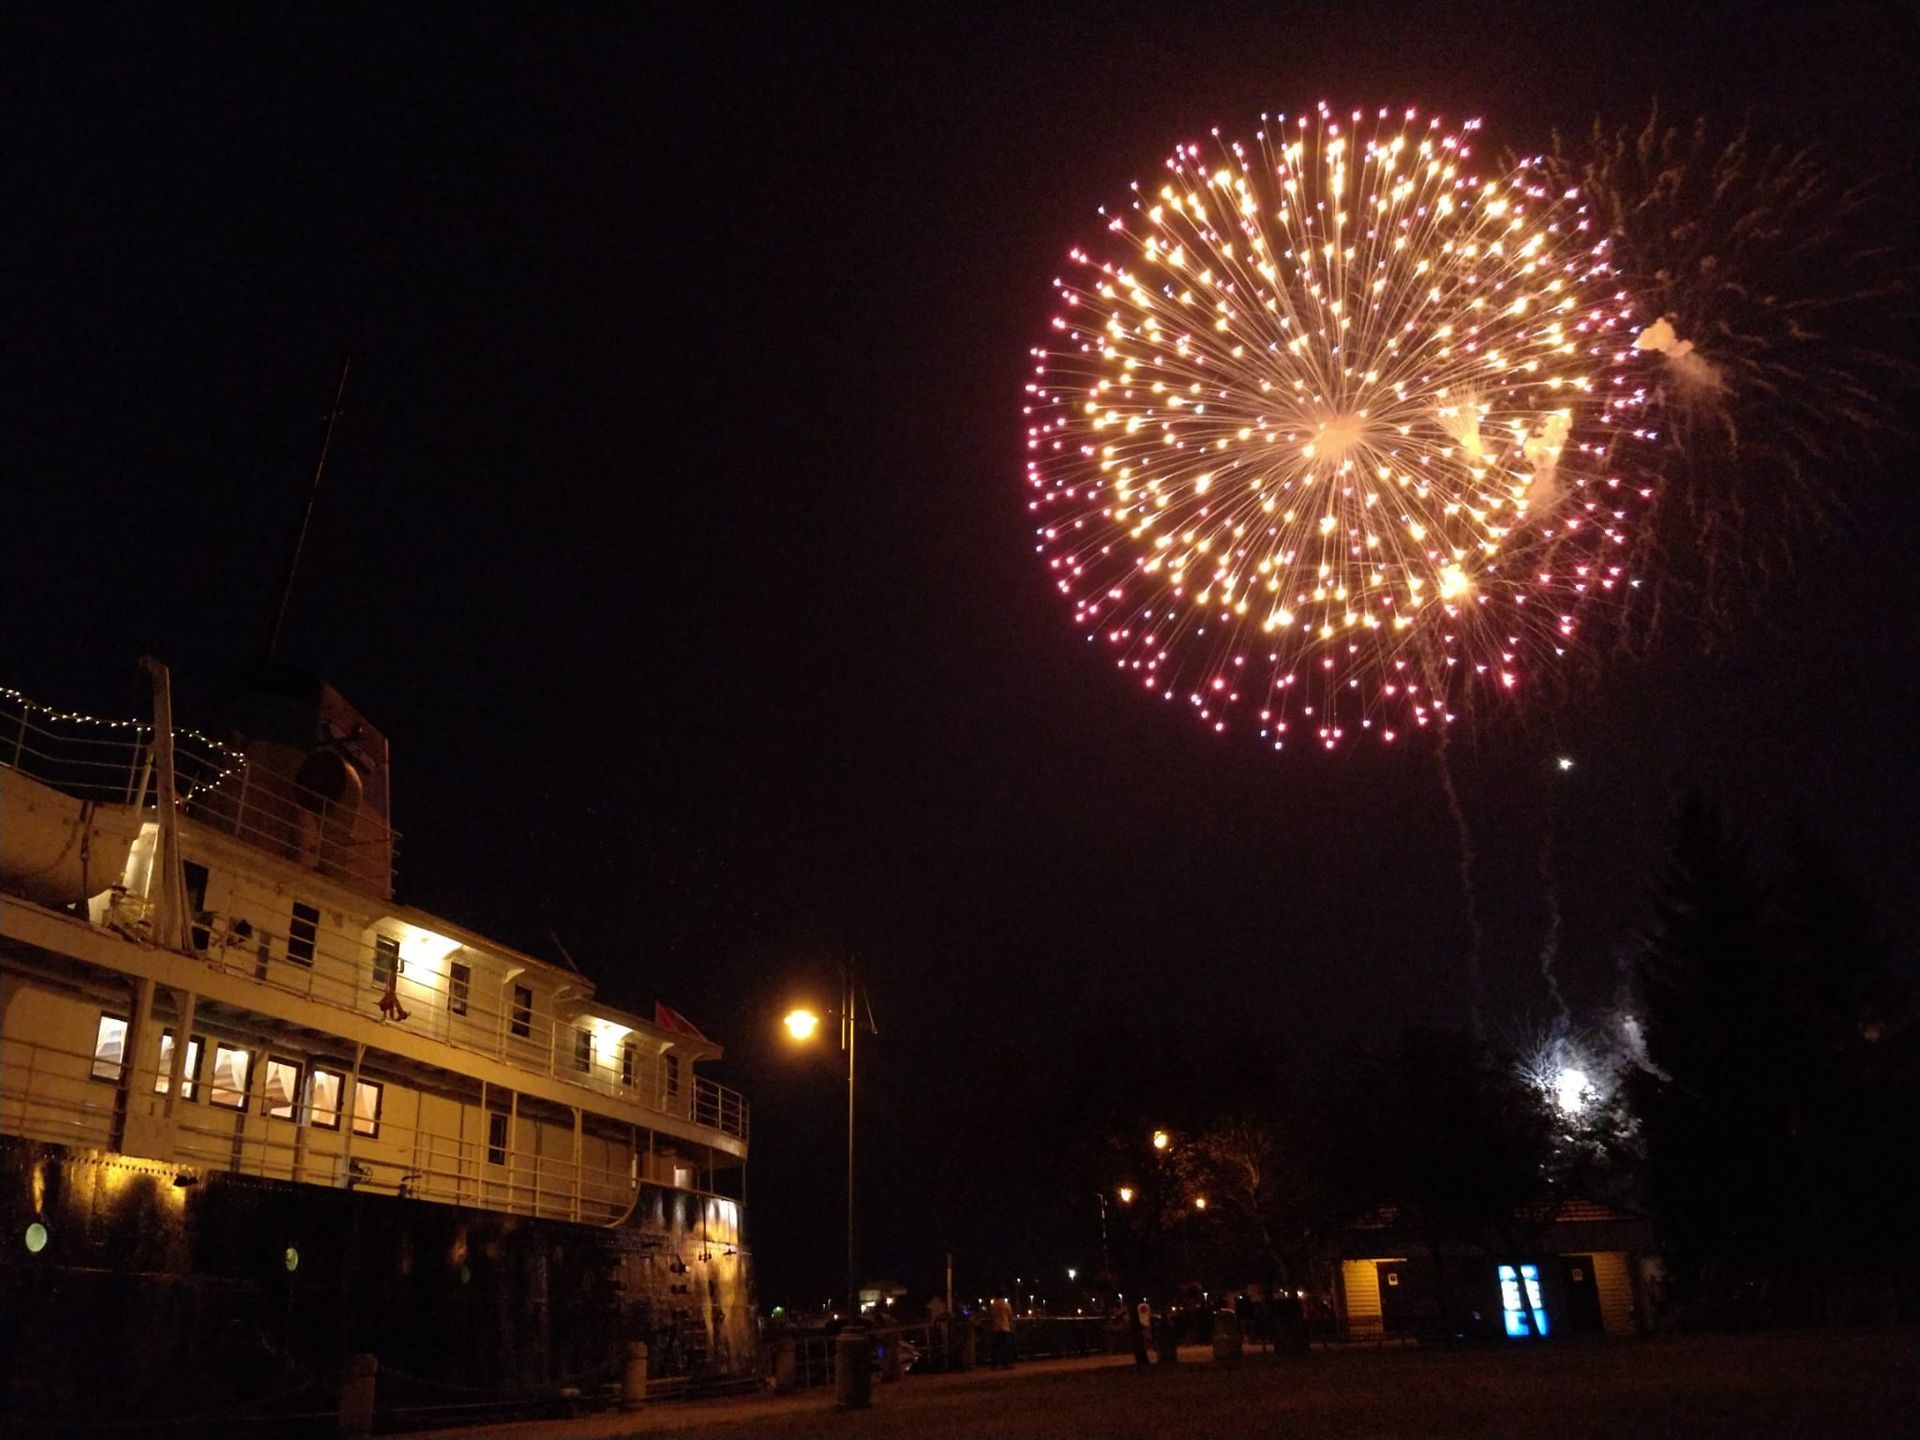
x: 261, y: 1098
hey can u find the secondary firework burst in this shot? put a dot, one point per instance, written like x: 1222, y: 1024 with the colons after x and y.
x: 1777, y: 298
x: 1321, y: 442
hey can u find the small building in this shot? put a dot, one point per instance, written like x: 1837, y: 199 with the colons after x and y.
x: 1570, y: 1267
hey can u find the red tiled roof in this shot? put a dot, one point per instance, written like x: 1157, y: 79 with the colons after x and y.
x: 1568, y: 1211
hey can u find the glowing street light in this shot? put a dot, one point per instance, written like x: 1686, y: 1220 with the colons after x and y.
x: 801, y: 1024
x: 1161, y: 1139
x: 1199, y: 1202
x: 1126, y: 1194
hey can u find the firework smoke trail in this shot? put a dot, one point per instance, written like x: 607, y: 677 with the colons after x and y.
x: 1779, y: 300
x: 1322, y: 439
x: 1549, y: 882
x: 1477, y: 940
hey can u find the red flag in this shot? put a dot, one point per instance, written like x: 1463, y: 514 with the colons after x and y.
x: 668, y: 1018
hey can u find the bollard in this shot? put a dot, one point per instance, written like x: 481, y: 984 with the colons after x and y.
x: 852, y: 1369
x: 786, y: 1366
x: 633, y: 1378
x: 890, y: 1357
x: 356, y: 1395
x: 1227, y: 1344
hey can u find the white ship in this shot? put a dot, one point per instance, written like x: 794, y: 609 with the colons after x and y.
x: 256, y: 1117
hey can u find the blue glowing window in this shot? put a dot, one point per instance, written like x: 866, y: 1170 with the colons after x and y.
x: 1528, y: 1317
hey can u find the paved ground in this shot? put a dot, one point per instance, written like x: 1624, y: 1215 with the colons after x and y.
x: 1756, y: 1387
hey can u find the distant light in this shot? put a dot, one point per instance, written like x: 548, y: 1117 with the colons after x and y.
x: 292, y: 1259
x: 36, y: 1238
x: 1072, y: 1274
x: 1571, y: 1090
x: 802, y: 1023
x: 1199, y: 1202
x: 1126, y: 1195
x: 1161, y: 1139
x: 1565, y: 762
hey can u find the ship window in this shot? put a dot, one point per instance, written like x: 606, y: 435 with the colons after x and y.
x: 190, y: 1073
x: 196, y: 878
x: 230, y: 1067
x: 302, y: 931
x: 386, y: 960
x: 459, y: 985
x: 672, y: 1062
x: 323, y: 1099
x: 366, y: 1107
x: 283, y: 1088
x: 522, y: 1009
x: 628, y: 1055
x: 496, y: 1139
x: 583, y: 1049
x: 109, y: 1047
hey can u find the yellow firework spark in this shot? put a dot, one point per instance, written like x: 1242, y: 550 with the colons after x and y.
x: 1328, y: 426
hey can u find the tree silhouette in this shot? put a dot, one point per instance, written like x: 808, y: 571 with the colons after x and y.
x: 1779, y: 1074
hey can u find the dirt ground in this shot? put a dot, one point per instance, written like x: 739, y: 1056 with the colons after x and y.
x: 1816, y: 1384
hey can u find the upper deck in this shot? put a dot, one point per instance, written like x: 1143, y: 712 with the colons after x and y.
x: 289, y: 888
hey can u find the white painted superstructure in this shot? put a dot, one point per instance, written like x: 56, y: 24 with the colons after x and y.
x: 337, y: 1038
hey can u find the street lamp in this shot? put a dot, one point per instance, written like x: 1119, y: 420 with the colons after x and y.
x: 802, y: 1024
x: 1106, y: 1261
x: 1161, y: 1139
x: 1126, y: 1194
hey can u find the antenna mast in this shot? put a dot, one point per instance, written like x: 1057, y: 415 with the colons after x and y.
x: 306, y: 517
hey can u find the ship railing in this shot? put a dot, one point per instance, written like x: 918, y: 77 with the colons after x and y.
x: 111, y: 762
x: 67, y: 1097
x: 425, y: 999
x: 49, y: 1094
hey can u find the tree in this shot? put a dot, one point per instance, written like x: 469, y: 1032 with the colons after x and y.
x: 1774, y: 1079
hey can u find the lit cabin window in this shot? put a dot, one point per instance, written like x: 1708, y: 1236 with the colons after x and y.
x: 109, y: 1047
x: 522, y: 1010
x: 283, y: 1088
x: 190, y: 1073
x: 323, y: 1099
x: 231, y: 1066
x: 672, y: 1070
x: 366, y: 1107
x: 583, y: 1050
x: 628, y: 1055
x: 386, y: 961
x: 303, y: 932
x: 497, y: 1138
x: 459, y: 986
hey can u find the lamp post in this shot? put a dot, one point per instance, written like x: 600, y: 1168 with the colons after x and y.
x: 802, y: 1025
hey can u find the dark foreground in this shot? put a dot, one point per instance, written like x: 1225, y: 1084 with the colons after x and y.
x: 1842, y: 1384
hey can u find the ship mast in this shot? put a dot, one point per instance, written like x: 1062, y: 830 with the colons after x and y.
x: 306, y: 516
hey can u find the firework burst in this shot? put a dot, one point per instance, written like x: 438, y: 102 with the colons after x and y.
x: 1776, y: 298
x: 1322, y: 440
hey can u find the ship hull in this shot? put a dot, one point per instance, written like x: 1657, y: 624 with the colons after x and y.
x: 237, y: 1297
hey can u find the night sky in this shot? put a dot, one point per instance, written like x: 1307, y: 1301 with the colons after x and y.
x: 675, y: 533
